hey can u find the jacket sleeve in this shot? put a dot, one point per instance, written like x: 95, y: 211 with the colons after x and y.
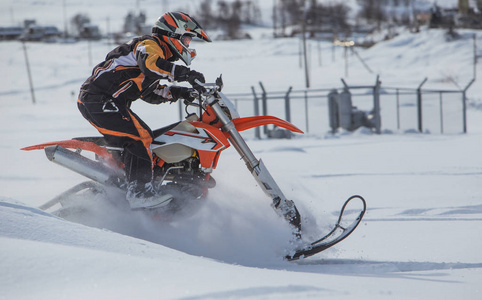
x: 152, y: 62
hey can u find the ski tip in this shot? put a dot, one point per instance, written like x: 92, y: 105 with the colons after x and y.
x: 336, y: 235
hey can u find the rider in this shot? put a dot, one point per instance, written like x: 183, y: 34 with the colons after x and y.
x: 132, y: 71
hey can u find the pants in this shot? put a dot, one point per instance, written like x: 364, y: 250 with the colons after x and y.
x: 121, y: 128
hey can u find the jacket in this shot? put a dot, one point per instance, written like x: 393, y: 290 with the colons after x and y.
x: 130, y: 72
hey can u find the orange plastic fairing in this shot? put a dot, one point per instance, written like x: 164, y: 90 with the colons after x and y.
x: 76, y: 144
x: 209, y: 159
x: 209, y: 117
x: 251, y: 122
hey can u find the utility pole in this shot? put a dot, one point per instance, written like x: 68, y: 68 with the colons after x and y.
x: 346, y: 45
x: 108, y: 34
x: 28, y: 72
x: 64, y: 9
x: 475, y: 56
x: 11, y: 16
x: 319, y: 53
x: 303, y: 32
x: 275, y: 18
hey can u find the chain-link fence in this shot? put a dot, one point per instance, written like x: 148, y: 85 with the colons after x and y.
x: 382, y: 109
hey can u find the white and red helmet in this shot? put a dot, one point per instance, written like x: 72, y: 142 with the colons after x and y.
x: 177, y: 29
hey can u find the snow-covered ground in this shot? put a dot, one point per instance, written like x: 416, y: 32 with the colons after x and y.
x: 420, y: 238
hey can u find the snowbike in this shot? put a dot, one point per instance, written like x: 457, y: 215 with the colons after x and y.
x: 186, y: 153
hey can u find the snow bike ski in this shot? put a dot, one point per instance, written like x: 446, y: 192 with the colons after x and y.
x: 336, y: 235
x: 186, y: 153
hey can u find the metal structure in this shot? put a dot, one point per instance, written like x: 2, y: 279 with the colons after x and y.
x: 376, y: 107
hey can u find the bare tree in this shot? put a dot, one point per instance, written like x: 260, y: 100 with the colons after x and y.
x: 229, y: 15
x: 79, y: 21
x: 234, y: 21
x: 372, y: 11
x: 206, y: 16
x: 319, y: 17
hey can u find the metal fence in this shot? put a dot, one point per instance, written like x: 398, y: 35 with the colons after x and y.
x: 398, y: 109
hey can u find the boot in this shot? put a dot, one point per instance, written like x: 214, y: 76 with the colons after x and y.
x: 145, y: 197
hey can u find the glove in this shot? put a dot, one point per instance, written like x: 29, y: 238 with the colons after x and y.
x: 186, y: 74
x: 193, y: 75
x: 155, y: 94
x: 180, y: 92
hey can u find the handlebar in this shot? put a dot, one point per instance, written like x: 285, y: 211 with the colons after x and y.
x: 206, y: 85
x: 211, y: 87
x: 207, y: 89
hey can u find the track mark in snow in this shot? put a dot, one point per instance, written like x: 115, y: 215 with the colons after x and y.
x: 433, y: 173
x: 31, y: 210
x: 261, y: 292
x: 461, y: 213
x: 287, y: 149
x: 380, y: 268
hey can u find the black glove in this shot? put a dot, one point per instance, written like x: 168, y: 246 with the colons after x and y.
x: 193, y: 75
x: 186, y: 74
x: 180, y: 92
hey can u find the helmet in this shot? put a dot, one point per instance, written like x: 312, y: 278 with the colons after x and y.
x: 177, y: 29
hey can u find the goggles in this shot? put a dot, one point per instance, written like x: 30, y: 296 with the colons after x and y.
x: 186, y: 39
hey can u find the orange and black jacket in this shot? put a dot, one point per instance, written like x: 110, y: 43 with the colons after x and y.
x: 129, y: 72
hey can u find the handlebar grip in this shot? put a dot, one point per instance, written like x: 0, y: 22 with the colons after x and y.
x: 198, y: 82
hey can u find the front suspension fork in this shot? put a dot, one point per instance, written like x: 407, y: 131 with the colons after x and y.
x: 282, y: 206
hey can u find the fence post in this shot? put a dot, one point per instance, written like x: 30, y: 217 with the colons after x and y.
x: 464, y: 104
x: 287, y: 105
x: 376, y: 106
x: 264, y: 99
x: 333, y: 114
x: 345, y: 84
x: 419, y: 105
x: 257, y: 133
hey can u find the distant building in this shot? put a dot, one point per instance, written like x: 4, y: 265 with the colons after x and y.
x: 40, y: 33
x: 90, y: 32
x: 10, y: 33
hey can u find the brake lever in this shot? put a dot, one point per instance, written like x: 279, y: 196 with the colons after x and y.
x: 212, y: 86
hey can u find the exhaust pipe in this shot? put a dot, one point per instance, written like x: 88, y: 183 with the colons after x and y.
x: 84, y: 166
